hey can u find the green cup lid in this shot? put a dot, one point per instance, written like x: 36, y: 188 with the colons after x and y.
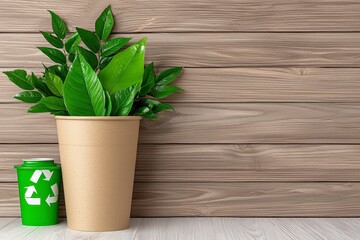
x: 37, y: 162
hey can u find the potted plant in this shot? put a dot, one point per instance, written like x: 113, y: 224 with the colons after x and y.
x: 98, y: 91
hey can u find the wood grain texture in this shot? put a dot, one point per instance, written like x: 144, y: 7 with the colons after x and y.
x: 201, y: 229
x: 214, y: 50
x: 250, y: 85
x: 218, y: 163
x: 312, y: 229
x: 246, y: 199
x: 264, y: 175
x: 268, y: 125
x: 5, y: 221
x: 187, y: 15
x: 213, y: 123
x: 15, y: 230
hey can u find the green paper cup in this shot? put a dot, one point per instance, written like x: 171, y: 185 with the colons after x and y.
x: 39, y: 184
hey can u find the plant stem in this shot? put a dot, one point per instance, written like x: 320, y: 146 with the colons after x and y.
x: 99, y: 57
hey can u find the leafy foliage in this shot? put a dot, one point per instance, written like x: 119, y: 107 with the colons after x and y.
x: 113, y: 45
x: 72, y: 42
x: 54, y: 83
x: 53, y: 40
x: 83, y: 93
x: 123, y: 100
x: 89, y: 56
x: 58, y: 25
x: 104, y: 24
x: 54, y: 54
x: 89, y: 39
x: 101, y: 79
x: 128, y: 65
x: 20, y: 79
x: 29, y: 96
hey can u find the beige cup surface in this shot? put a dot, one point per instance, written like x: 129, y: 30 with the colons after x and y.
x: 98, y: 156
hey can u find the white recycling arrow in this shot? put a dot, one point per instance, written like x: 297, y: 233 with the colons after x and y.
x: 37, y: 174
x: 29, y: 192
x: 53, y: 199
x: 47, y: 174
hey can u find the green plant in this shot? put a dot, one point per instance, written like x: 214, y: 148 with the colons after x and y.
x: 95, y: 75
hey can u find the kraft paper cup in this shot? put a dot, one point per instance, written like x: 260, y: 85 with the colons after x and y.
x: 98, y: 156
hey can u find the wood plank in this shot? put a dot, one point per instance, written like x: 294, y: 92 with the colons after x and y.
x: 214, y: 50
x: 218, y: 163
x: 210, y: 228
x: 187, y: 15
x: 251, y: 85
x: 332, y: 228
x: 246, y: 199
x: 229, y: 123
x: 61, y: 231
x: 5, y: 221
x: 266, y: 175
x: 15, y: 230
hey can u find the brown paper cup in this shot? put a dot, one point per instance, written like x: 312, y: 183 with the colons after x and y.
x: 98, y: 156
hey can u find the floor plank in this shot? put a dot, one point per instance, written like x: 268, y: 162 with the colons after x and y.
x: 15, y: 230
x: 319, y: 228
x: 201, y: 229
x: 5, y: 221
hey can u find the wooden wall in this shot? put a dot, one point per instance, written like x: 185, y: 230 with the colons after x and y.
x: 269, y: 124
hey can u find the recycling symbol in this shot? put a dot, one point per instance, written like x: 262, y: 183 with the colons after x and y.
x: 30, y: 190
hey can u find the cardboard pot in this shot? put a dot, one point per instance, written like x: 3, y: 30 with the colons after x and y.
x: 98, y: 156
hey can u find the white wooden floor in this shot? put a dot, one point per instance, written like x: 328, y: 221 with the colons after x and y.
x: 197, y: 229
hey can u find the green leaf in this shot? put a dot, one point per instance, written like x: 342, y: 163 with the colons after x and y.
x: 148, y: 81
x: 113, y: 45
x: 59, y: 70
x: 89, y: 57
x: 54, y: 54
x: 28, y: 96
x: 19, y: 77
x: 156, y: 106
x: 62, y: 113
x: 40, y: 85
x: 125, y: 69
x: 59, y: 85
x: 72, y: 42
x: 58, y: 25
x: 164, y: 91
x: 168, y: 76
x: 104, y: 62
x: 104, y: 24
x: 53, y: 40
x: 39, y: 108
x: 161, y: 107
x: 124, y: 100
x: 53, y: 103
x: 90, y: 39
x: 145, y: 112
x: 150, y: 115
x: 54, y: 83
x: 108, y: 104
x: 83, y: 93
x: 71, y: 57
